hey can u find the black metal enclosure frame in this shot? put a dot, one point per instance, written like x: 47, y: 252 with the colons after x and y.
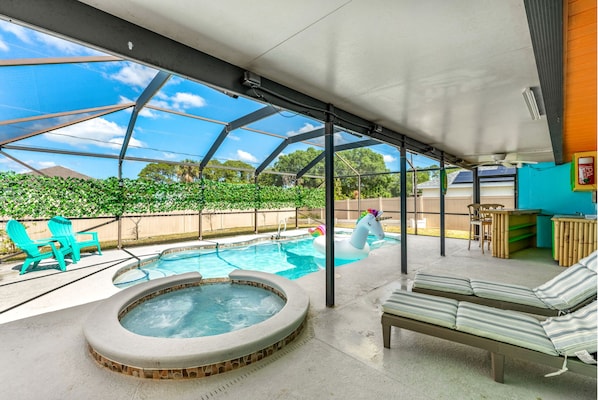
x: 79, y: 22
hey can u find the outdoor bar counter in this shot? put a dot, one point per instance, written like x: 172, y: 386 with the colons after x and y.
x: 574, y: 237
x: 512, y: 230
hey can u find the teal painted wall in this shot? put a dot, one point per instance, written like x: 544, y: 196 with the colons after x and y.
x: 548, y: 187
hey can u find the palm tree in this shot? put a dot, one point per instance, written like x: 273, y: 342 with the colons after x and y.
x: 188, y: 173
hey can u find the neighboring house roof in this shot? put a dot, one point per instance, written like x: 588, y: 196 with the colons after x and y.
x: 60, y: 172
x: 487, y: 174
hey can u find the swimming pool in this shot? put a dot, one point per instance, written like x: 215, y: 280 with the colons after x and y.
x: 290, y: 258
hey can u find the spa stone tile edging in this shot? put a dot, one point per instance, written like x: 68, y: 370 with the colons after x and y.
x: 123, y: 351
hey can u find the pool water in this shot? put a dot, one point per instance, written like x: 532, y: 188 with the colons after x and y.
x: 203, y: 310
x: 291, y: 259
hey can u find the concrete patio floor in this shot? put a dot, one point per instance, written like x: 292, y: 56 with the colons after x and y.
x: 339, y: 356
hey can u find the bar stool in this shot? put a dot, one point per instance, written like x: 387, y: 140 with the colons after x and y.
x: 474, y: 220
x: 486, y: 222
x: 483, y: 220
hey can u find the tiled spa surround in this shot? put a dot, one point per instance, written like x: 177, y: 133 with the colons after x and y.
x: 195, y: 372
x: 112, y: 346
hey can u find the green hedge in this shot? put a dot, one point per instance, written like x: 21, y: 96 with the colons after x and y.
x: 44, y: 197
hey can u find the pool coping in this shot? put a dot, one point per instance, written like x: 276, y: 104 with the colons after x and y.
x: 120, y: 350
x: 204, y: 246
x: 138, y: 264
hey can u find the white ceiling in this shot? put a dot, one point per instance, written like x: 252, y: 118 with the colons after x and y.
x: 448, y: 73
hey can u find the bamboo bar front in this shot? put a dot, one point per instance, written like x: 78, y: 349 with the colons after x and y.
x: 574, y: 239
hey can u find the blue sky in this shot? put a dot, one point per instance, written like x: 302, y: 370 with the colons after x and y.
x: 38, y: 90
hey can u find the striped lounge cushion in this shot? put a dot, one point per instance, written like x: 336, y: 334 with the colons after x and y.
x: 443, y: 283
x: 506, y: 292
x: 569, y: 288
x: 504, y: 326
x: 421, y: 307
x: 591, y: 261
x: 574, y: 332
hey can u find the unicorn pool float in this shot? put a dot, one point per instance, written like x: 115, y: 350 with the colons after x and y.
x: 352, y: 247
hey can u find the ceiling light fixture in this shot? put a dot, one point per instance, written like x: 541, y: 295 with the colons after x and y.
x: 530, y: 101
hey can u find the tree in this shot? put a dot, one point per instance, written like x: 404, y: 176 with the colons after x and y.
x: 420, y: 177
x: 293, y: 163
x: 347, y: 165
x: 235, y: 171
x: 188, y: 173
x: 370, y: 165
x: 159, y: 173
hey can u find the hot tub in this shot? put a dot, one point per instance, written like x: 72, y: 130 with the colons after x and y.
x: 125, y: 352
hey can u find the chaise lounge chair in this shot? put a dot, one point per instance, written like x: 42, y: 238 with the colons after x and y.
x: 62, y: 230
x: 18, y: 234
x: 568, y: 291
x: 501, y: 332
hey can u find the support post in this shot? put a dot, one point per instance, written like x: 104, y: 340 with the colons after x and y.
x: 476, y: 185
x: 119, y: 240
x: 200, y: 213
x: 255, y: 221
x: 403, y: 207
x: 329, y: 178
x: 199, y: 228
x: 443, y: 188
x: 476, y: 196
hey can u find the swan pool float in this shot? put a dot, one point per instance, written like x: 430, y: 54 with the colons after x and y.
x: 352, y: 247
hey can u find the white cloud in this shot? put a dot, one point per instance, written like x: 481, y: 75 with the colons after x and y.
x: 161, y: 97
x: 175, y: 80
x: 46, y: 164
x: 43, y: 40
x: 61, y: 44
x: 97, y: 132
x: 245, y: 156
x: 20, y: 32
x: 145, y: 112
x: 6, y: 164
x: 3, y: 46
x: 159, y: 103
x: 233, y: 137
x: 169, y: 156
x: 182, y: 101
x: 307, y: 127
x: 124, y: 100
x: 135, y: 75
x: 141, y: 76
x: 388, y: 158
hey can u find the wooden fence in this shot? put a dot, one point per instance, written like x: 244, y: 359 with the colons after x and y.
x: 423, y: 211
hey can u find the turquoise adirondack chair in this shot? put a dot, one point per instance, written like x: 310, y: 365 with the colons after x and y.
x: 62, y: 230
x: 18, y: 234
